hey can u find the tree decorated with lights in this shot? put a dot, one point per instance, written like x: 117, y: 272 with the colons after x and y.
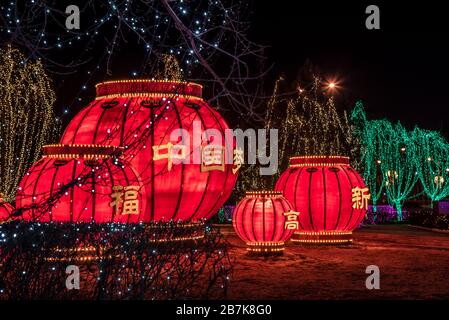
x: 388, y: 154
x: 311, y: 125
x: 432, y: 163
x: 398, y: 151
x: 169, y: 69
x: 308, y: 124
x: 27, y: 120
x: 368, y: 133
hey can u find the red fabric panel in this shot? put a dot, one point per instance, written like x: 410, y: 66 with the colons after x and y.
x: 182, y: 193
x: 325, y: 200
x: 77, y: 202
x: 261, y: 219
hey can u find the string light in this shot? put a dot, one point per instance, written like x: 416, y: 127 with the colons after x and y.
x: 434, y: 174
x: 27, y: 120
x: 308, y: 123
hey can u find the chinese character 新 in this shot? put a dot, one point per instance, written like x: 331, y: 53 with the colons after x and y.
x: 360, y: 197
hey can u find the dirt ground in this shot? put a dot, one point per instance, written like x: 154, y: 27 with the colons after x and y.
x: 414, y: 264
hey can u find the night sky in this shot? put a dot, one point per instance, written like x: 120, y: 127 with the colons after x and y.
x: 400, y: 72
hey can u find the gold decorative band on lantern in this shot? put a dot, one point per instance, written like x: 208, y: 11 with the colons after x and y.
x: 86, y: 151
x: 142, y: 86
x: 318, y: 161
x: 262, y: 248
x: 264, y: 193
x: 322, y: 237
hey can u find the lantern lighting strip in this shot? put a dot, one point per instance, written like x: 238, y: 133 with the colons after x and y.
x: 322, y: 240
x: 177, y: 224
x: 148, y: 81
x: 265, y: 244
x: 93, y: 249
x: 85, y: 258
x: 76, y: 156
x: 102, y: 146
x: 324, y: 233
x: 263, y: 193
x: 278, y: 249
x: 147, y: 94
x: 330, y: 161
x: 317, y: 164
x: 319, y: 157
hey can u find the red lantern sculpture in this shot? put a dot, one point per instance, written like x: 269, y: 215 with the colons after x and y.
x: 5, y: 210
x: 81, y: 183
x: 329, y: 194
x: 188, y: 172
x: 264, y: 220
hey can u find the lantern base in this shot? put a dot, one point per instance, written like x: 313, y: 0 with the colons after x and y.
x: 79, y: 254
x: 322, y: 238
x: 165, y: 236
x: 265, y: 248
x: 174, y: 233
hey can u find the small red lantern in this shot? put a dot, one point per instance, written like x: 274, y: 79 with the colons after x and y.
x: 81, y: 183
x: 186, y: 179
x: 330, y: 196
x: 264, y: 220
x: 5, y: 210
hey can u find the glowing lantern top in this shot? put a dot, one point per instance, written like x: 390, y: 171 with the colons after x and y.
x: 264, y: 220
x: 5, y: 210
x: 171, y: 136
x: 81, y: 183
x: 329, y: 194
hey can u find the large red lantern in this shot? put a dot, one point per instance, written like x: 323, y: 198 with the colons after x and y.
x: 188, y: 172
x: 81, y: 183
x: 264, y: 220
x: 330, y: 196
x: 5, y: 210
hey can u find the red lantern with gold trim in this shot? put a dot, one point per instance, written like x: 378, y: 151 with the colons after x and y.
x: 5, y: 210
x: 264, y: 220
x: 81, y: 183
x: 188, y: 172
x: 330, y: 196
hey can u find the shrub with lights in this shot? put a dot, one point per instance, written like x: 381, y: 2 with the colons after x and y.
x: 329, y: 195
x: 124, y: 197
x: 265, y: 220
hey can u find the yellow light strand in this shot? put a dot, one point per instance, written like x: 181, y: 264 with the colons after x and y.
x: 26, y: 116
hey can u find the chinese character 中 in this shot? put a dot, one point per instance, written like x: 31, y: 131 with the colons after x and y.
x: 172, y: 152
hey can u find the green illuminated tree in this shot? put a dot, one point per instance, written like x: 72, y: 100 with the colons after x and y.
x: 432, y: 163
x: 398, y: 151
x: 388, y: 154
x: 367, y: 132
